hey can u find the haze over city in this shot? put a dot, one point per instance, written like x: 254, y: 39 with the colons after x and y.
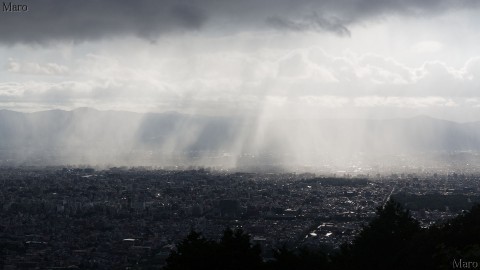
x: 311, y: 82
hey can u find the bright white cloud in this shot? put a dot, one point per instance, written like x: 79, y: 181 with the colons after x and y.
x: 309, y: 76
x: 427, y: 47
x: 404, y: 102
x: 32, y: 68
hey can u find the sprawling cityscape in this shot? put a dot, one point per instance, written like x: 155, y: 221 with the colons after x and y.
x: 67, y: 217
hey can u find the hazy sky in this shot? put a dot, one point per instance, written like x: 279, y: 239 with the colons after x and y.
x: 275, y: 58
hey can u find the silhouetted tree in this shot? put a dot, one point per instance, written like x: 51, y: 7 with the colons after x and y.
x: 301, y: 259
x: 194, y: 252
x: 457, y: 239
x: 384, y: 243
x: 234, y: 251
x: 285, y: 259
x: 2, y: 255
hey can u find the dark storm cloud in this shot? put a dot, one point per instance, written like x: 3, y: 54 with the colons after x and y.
x: 80, y: 20
x: 313, y: 22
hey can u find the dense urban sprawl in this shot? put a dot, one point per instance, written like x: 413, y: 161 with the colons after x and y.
x: 54, y: 218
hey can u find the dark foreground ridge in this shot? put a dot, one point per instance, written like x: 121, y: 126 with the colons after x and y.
x: 392, y: 240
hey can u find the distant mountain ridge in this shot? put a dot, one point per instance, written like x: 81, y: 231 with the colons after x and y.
x: 118, y: 135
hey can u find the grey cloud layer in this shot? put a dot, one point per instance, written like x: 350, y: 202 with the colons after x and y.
x: 49, y: 20
x: 313, y: 22
x: 307, y: 76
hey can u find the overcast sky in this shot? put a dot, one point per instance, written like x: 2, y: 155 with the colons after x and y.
x: 286, y: 58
